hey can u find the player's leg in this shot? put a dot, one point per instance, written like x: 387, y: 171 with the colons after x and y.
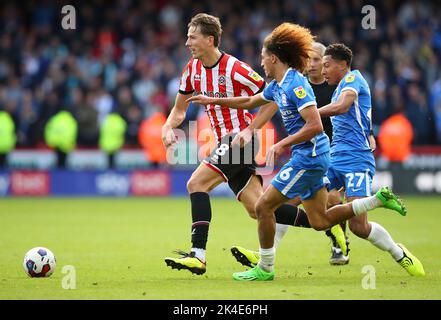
x: 311, y: 185
x: 339, y: 247
x: 315, y: 208
x: 320, y: 218
x: 203, y: 180
x: 265, y: 207
x: 291, y: 214
x: 248, y: 196
x: 334, y: 198
x: 250, y: 193
x: 380, y: 237
x: 294, y: 179
x: 337, y: 256
x: 286, y: 215
x: 358, y: 174
x: 247, y: 186
x: 383, y: 198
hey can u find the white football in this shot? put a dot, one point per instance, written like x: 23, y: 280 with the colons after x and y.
x: 39, y: 262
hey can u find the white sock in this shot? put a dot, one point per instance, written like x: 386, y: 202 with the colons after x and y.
x: 360, y: 206
x: 267, y: 258
x: 281, y: 230
x: 380, y: 238
x: 199, y: 253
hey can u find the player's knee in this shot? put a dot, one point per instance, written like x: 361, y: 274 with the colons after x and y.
x: 333, y: 202
x: 319, y: 225
x: 318, y: 222
x: 333, y: 199
x: 360, y: 229
x: 261, y: 208
x: 194, y: 185
x: 249, y: 207
x: 252, y: 213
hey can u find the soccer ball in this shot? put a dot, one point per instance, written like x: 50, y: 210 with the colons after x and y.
x: 39, y: 262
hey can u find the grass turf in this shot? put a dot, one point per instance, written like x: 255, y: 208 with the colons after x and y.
x: 117, y: 247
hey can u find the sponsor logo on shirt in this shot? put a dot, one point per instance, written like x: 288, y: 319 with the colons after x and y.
x: 212, y: 94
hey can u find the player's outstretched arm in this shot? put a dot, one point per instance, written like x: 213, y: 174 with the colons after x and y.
x: 177, y: 115
x: 265, y: 113
x: 234, y: 102
x: 341, y: 106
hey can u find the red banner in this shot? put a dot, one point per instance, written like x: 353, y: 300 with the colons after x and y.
x: 151, y: 183
x: 29, y: 183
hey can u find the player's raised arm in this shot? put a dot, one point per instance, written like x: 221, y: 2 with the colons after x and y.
x: 177, y: 115
x: 341, y: 106
x: 234, y: 102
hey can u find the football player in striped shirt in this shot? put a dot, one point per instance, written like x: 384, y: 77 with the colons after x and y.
x: 213, y: 73
x: 285, y: 55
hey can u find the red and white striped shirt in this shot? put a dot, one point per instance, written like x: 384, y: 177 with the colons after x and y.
x: 229, y: 77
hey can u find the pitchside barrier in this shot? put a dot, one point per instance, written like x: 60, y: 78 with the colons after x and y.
x: 87, y: 176
x: 118, y: 183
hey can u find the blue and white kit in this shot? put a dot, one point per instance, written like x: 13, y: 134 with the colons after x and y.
x: 352, y: 161
x: 305, y: 172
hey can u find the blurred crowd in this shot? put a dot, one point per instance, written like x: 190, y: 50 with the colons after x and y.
x: 127, y: 56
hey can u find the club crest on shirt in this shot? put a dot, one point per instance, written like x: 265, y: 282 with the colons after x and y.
x: 300, y: 92
x: 350, y: 78
x: 222, y: 80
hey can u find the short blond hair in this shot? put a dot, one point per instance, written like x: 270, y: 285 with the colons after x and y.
x: 319, y: 47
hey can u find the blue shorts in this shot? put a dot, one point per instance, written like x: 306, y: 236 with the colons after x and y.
x: 353, y: 171
x: 302, y: 175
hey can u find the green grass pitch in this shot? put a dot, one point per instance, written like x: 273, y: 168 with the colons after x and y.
x: 117, y: 247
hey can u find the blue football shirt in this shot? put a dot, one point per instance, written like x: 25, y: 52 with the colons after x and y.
x: 291, y: 95
x: 351, y: 130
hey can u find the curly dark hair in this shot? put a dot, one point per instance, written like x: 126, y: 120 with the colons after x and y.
x: 291, y: 43
x: 338, y: 51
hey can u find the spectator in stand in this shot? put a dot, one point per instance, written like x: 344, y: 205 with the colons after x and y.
x: 27, y: 132
x: 7, y: 136
x: 395, y: 137
x: 435, y: 103
x: 87, y: 118
x: 138, y: 45
x: 419, y: 114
